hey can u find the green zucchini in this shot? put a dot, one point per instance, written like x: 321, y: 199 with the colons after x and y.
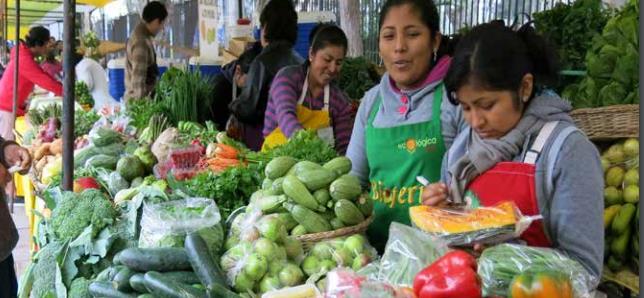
x: 202, y: 262
x: 218, y: 291
x: 161, y: 286
x: 137, y: 282
x: 121, y: 280
x: 278, y: 167
x: 109, y: 273
x: 186, y: 277
x: 104, y: 289
x: 155, y: 259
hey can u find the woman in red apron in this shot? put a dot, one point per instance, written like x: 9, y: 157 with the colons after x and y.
x: 522, y: 145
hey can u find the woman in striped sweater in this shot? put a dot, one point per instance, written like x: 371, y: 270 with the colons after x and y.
x: 305, y: 96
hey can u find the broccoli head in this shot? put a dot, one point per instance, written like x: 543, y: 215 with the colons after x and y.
x: 75, y: 212
x: 44, y: 270
x: 79, y: 288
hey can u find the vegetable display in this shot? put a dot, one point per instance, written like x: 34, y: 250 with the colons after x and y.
x: 453, y: 275
x: 612, y: 64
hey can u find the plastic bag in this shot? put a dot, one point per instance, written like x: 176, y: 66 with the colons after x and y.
x: 498, y: 265
x: 408, y: 251
x: 261, y: 256
x: 352, y: 252
x: 166, y: 224
x: 482, y: 225
x: 344, y: 283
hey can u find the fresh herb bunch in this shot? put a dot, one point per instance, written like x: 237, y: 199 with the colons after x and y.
x: 191, y: 131
x: 83, y: 96
x: 231, y: 189
x: 186, y: 94
x: 84, y: 121
x: 357, y: 77
x: 140, y: 111
x: 305, y: 145
x: 572, y: 28
x: 38, y: 117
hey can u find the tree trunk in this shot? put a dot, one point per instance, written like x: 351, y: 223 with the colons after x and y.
x: 350, y: 22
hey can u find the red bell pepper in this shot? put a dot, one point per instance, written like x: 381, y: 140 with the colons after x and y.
x: 451, y: 276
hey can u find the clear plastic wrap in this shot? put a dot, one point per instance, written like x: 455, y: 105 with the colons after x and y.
x: 344, y: 283
x: 463, y: 227
x: 260, y: 256
x: 166, y: 224
x: 500, y: 264
x: 352, y: 252
x: 408, y: 251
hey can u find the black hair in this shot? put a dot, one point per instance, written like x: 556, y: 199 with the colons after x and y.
x: 279, y: 21
x: 428, y: 13
x: 325, y: 34
x: 246, y: 58
x: 38, y: 36
x: 154, y: 10
x: 495, y: 57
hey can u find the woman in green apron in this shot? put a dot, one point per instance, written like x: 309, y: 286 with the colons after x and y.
x: 405, y: 124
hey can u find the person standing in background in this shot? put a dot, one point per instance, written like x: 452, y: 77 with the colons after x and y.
x: 141, y: 69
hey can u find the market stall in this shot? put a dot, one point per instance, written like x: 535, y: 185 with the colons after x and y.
x: 162, y: 204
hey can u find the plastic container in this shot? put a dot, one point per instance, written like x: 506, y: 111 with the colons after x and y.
x: 116, y: 78
x: 207, y: 67
x: 306, y: 22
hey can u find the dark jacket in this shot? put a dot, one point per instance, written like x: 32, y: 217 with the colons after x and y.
x: 250, y: 105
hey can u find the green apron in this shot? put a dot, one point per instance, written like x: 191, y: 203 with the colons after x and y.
x: 396, y: 156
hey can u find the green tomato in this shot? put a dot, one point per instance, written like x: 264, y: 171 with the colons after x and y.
x: 231, y: 242
x: 272, y: 228
x: 269, y: 283
x: 311, y: 265
x: 360, y: 261
x: 291, y: 275
x: 327, y: 265
x: 343, y: 257
x: 255, y: 267
x: 266, y: 248
x: 355, y: 244
x: 280, y: 253
x: 323, y: 251
x: 275, y: 266
x: 293, y: 248
x: 243, y: 283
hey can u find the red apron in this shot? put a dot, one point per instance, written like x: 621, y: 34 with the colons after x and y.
x: 515, y: 181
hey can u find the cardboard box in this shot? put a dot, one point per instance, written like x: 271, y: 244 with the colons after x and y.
x: 237, y: 46
x: 228, y: 57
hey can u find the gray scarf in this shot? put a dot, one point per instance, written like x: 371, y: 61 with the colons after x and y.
x: 483, y: 154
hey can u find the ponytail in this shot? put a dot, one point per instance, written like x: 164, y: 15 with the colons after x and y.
x: 544, y: 57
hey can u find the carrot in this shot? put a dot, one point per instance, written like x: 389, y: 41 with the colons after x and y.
x: 223, y: 162
x: 226, y: 151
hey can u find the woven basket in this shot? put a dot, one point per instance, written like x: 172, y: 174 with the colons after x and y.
x: 608, y: 123
x: 309, y: 240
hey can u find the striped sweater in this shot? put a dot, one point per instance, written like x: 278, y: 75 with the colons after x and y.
x: 285, y: 92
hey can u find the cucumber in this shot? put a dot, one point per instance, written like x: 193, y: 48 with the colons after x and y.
x: 155, y: 259
x: 202, y: 262
x: 116, y: 260
x: 277, y: 185
x: 317, y: 179
x: 346, y: 187
x: 104, y: 289
x: 298, y: 192
x: 279, y: 166
x: 322, y: 196
x: 121, y: 280
x: 299, y: 230
x: 336, y: 223
x: 266, y: 184
x: 137, y: 282
x: 270, y: 204
x: 161, y: 286
x: 365, y: 204
x: 217, y: 291
x: 311, y: 221
x: 341, y: 165
x: 109, y: 273
x: 304, y: 166
x: 146, y: 295
x: 623, y: 218
x: 186, y: 277
x: 288, y: 220
x: 348, y: 213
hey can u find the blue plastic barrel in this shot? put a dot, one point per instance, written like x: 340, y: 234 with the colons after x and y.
x: 207, y: 67
x: 116, y: 77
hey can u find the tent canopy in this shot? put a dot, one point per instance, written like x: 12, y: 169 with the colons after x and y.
x: 42, y: 12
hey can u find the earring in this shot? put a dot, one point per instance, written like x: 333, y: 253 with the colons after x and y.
x: 435, y: 52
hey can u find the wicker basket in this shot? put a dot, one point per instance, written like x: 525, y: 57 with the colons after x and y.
x: 309, y: 240
x: 607, y: 123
